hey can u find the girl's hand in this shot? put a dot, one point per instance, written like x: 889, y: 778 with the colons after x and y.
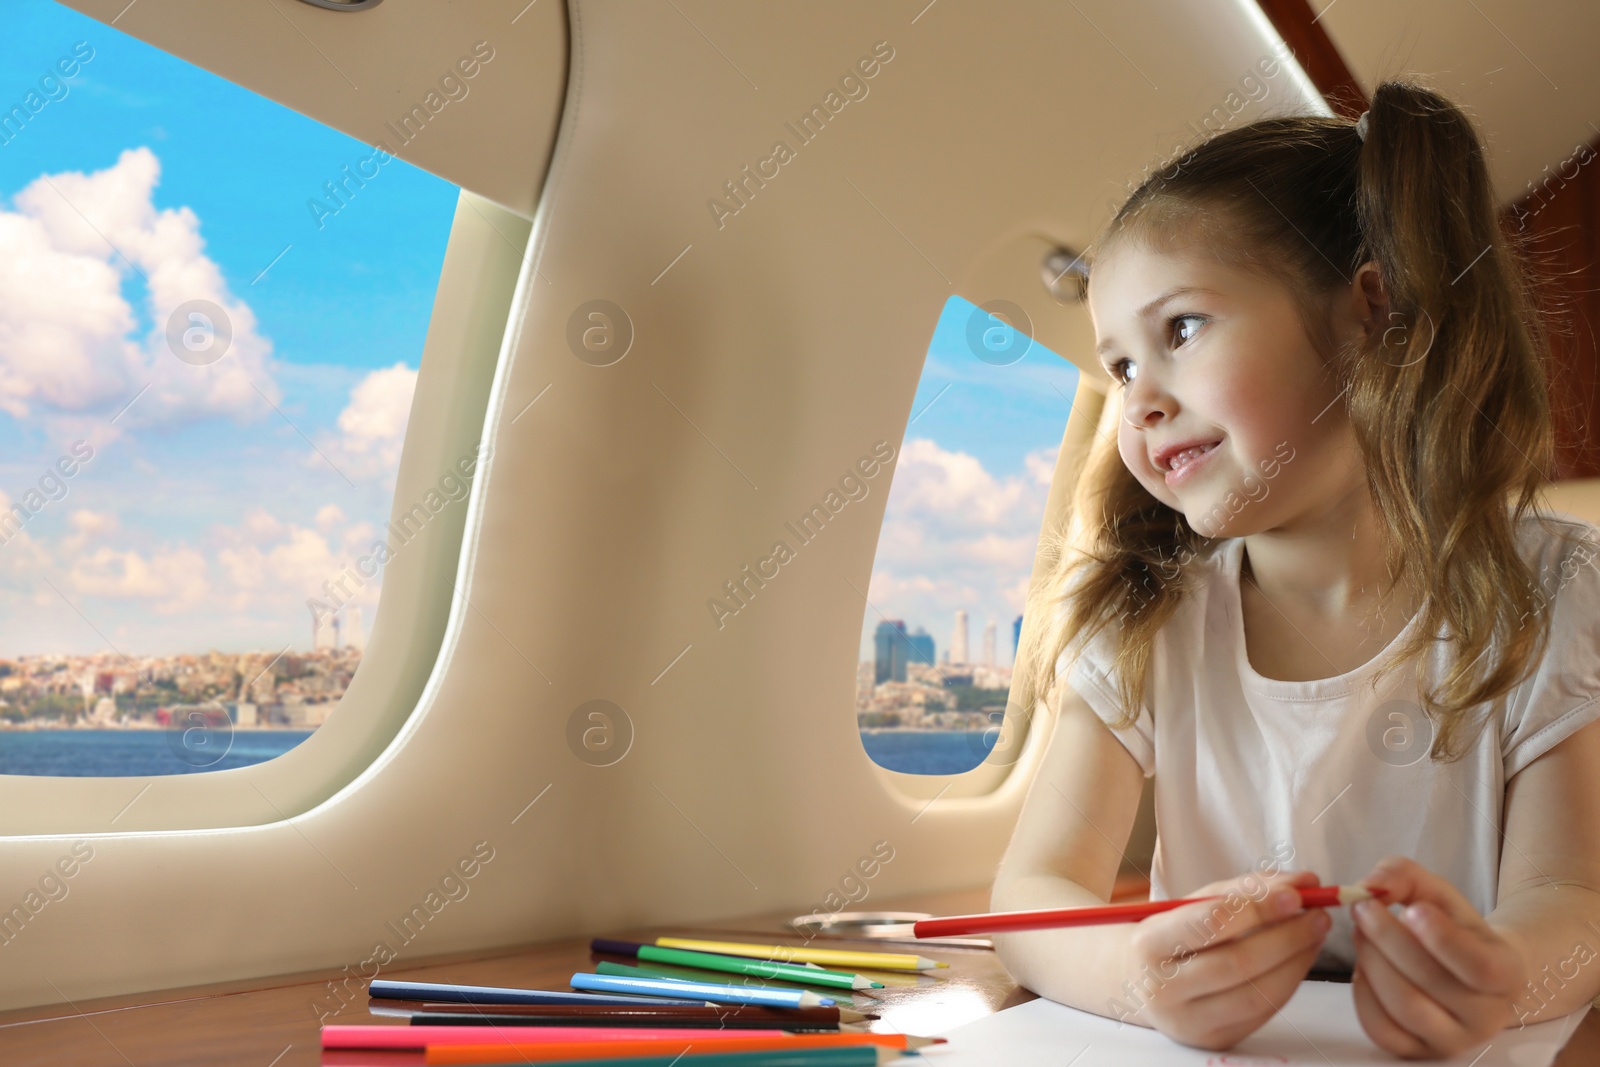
x: 1215, y: 971
x: 1437, y: 981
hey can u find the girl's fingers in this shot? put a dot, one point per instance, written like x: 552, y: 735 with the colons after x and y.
x: 1409, y: 1007
x: 1482, y: 960
x: 1251, y: 1002
x: 1235, y: 963
x: 1408, y: 882
x: 1388, y: 937
x: 1233, y: 913
x: 1384, y: 1031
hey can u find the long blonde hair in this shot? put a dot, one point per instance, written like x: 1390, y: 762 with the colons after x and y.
x: 1449, y: 407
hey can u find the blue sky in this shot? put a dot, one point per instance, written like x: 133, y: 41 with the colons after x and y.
x: 204, y: 505
x: 995, y: 411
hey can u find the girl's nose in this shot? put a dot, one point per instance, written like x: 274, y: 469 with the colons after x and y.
x: 1143, y: 399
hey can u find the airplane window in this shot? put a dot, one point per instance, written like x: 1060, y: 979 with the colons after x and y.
x: 960, y: 530
x: 212, y: 313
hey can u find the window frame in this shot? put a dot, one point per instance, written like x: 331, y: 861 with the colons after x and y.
x: 1088, y: 418
x: 485, y: 261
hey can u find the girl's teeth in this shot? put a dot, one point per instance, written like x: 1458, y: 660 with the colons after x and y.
x: 1187, y: 454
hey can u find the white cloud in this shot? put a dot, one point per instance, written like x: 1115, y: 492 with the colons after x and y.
x: 261, y: 567
x: 1041, y: 464
x: 952, y: 487
x: 1007, y: 553
x: 21, y: 555
x: 171, y: 581
x: 86, y: 526
x: 67, y: 333
x: 273, y: 566
x: 956, y: 536
x: 1016, y: 594
x: 887, y: 587
x: 297, y: 564
x: 260, y: 526
x: 372, y: 426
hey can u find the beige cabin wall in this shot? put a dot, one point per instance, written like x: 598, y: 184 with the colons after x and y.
x: 769, y: 354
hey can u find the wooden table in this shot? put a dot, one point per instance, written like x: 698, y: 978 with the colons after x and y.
x: 272, y: 1022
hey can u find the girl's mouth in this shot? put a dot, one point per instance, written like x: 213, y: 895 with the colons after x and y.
x: 1188, y: 463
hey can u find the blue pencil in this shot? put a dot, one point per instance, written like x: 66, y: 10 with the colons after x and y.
x: 483, y: 994
x: 677, y: 987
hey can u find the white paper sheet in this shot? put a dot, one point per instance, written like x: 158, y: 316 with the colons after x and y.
x: 1317, y: 1028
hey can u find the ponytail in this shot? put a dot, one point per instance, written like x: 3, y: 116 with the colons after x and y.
x: 1451, y: 410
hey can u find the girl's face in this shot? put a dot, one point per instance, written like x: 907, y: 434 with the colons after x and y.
x: 1205, y: 352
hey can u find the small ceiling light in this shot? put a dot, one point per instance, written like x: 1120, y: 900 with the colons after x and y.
x: 1065, y: 274
x: 345, y: 5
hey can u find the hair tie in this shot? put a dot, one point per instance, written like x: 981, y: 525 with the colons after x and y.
x: 1361, y: 125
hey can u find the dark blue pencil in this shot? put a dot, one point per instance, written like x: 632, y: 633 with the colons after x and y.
x: 483, y: 994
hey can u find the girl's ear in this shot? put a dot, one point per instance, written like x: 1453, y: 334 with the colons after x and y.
x: 1371, y: 299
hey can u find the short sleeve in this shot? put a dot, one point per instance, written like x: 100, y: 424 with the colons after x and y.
x: 1563, y: 694
x: 1092, y: 676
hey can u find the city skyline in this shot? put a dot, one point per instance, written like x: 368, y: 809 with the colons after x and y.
x: 890, y: 639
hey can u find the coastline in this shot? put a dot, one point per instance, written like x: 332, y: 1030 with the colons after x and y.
x: 28, y: 727
x: 924, y: 729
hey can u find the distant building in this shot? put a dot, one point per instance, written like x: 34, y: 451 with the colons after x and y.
x: 322, y: 635
x: 958, y: 638
x: 303, y: 716
x: 889, y: 651
x: 353, y: 635
x: 921, y: 644
x: 988, y: 643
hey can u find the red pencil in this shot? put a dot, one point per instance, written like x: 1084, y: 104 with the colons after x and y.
x: 1317, y: 896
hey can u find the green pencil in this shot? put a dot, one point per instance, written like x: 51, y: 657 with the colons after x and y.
x: 711, y: 961
x: 667, y: 970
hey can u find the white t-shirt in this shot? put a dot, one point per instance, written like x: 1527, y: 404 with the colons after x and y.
x: 1330, y: 775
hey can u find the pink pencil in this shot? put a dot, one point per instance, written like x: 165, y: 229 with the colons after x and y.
x: 1318, y: 896
x: 419, y: 1037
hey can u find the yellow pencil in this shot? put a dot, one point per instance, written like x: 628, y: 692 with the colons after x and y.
x: 876, y: 961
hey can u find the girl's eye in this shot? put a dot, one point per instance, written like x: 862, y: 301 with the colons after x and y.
x: 1174, y: 320
x: 1122, y: 378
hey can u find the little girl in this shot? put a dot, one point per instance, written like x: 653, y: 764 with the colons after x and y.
x: 1319, y: 605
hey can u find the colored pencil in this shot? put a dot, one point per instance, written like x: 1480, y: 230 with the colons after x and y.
x: 834, y: 1051
x: 713, y: 961
x: 1321, y: 896
x: 604, y: 1015
x: 871, y: 961
x: 686, y: 974
x: 493, y: 1032
x: 484, y: 994
x: 663, y: 1023
x: 673, y: 987
x: 822, y: 1057
x: 815, y: 1057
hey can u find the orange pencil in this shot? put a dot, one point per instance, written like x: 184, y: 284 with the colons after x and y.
x: 618, y: 1047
